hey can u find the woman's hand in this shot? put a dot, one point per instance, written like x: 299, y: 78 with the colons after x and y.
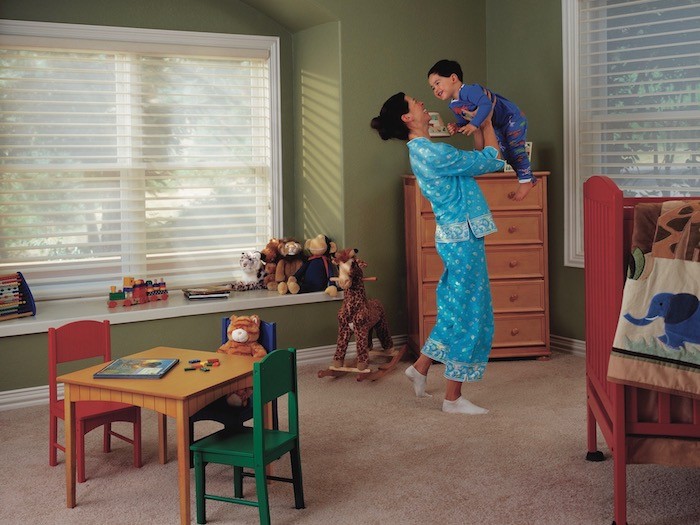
x: 468, y: 129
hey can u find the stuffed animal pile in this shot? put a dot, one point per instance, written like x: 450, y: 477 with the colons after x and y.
x: 288, y: 267
x: 316, y: 272
x: 243, y: 333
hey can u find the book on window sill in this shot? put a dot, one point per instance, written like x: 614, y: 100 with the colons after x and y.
x: 136, y: 368
x: 208, y: 292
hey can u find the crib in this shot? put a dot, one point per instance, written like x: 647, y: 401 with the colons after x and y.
x: 639, y: 425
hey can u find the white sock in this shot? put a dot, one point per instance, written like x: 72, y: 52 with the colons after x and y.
x: 419, y: 381
x: 462, y: 406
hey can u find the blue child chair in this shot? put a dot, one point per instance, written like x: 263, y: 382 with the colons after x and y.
x: 233, y: 417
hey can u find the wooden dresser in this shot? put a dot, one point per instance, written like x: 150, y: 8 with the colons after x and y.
x: 517, y: 265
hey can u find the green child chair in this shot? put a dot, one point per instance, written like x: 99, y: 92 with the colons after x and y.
x: 219, y: 410
x: 254, y: 448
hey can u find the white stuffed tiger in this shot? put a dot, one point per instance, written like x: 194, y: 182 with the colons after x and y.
x: 253, y: 272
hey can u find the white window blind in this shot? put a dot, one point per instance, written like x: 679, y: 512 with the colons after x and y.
x: 636, y: 69
x: 156, y: 165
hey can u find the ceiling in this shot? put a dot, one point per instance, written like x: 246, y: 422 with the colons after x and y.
x: 295, y: 15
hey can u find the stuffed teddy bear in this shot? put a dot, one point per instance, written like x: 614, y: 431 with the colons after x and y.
x: 315, y: 273
x: 292, y: 257
x: 243, y: 333
x: 253, y: 272
x: 270, y: 254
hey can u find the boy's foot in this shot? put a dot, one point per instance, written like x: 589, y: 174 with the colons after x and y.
x: 419, y: 381
x: 462, y: 406
x: 523, y: 190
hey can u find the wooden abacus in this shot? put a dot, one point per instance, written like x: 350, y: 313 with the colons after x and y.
x: 15, y: 297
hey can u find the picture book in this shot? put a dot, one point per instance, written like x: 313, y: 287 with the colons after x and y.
x: 132, y: 368
x: 209, y: 292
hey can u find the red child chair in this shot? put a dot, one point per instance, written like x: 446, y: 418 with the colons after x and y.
x: 72, y: 342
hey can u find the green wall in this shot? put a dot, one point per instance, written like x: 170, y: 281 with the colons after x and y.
x: 339, y: 177
x: 525, y: 65
x: 387, y: 47
x: 318, y: 133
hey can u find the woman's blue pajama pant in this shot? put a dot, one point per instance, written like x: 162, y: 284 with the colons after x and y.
x: 463, y: 333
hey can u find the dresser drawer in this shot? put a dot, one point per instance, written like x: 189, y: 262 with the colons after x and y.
x: 508, y: 296
x: 516, y: 296
x: 429, y: 298
x: 503, y: 262
x: 509, y: 330
x: 519, y: 330
x: 523, y: 227
x: 426, y: 228
x: 499, y: 192
x: 431, y: 265
x: 511, y: 262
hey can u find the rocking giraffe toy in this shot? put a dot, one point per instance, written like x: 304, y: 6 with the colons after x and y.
x: 362, y: 316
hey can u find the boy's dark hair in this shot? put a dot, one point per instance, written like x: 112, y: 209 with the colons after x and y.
x: 445, y: 68
x: 389, y: 124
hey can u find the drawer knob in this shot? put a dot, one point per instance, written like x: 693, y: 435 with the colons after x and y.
x: 514, y: 331
x: 511, y: 195
x: 512, y: 229
x: 513, y: 297
x: 513, y: 263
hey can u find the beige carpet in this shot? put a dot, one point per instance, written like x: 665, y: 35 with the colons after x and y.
x: 374, y: 454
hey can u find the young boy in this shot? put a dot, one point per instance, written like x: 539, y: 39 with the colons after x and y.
x: 471, y: 105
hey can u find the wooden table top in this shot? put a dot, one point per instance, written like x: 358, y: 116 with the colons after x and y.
x: 177, y: 383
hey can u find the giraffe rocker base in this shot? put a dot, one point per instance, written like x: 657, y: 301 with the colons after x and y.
x: 362, y: 316
x: 380, y: 363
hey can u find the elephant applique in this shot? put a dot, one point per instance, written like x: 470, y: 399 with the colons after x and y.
x: 681, y: 314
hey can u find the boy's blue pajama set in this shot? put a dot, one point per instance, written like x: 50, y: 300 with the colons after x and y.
x: 463, y: 333
x: 509, y: 123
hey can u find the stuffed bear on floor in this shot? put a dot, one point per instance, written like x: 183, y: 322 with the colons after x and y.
x: 243, y: 333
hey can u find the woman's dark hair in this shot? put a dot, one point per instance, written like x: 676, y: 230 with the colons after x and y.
x: 445, y: 68
x: 389, y: 124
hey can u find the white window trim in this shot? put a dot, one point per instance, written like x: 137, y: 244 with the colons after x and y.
x: 55, y: 313
x: 573, y: 202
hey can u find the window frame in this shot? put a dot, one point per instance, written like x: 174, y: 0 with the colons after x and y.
x: 573, y: 180
x: 221, y: 44
x: 573, y: 202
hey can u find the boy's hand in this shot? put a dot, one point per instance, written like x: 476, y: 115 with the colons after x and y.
x: 452, y: 128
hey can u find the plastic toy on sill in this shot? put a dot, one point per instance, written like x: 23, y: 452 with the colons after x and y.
x: 137, y: 291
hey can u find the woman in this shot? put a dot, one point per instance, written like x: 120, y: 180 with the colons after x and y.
x: 462, y: 336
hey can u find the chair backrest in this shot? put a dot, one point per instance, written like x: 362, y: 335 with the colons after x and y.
x: 273, y: 377
x: 267, y: 338
x: 75, y: 341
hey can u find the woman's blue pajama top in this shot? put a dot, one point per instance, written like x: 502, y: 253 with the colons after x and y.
x: 463, y: 333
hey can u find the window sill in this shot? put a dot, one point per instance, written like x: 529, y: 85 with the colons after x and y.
x: 56, y: 313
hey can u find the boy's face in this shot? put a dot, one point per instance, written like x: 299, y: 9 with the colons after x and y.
x: 445, y: 88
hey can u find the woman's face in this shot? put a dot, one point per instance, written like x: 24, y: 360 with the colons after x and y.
x: 416, y: 111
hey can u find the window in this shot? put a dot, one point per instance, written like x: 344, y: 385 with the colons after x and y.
x: 632, y: 101
x: 126, y: 152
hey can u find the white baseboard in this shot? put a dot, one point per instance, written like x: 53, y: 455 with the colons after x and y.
x: 39, y: 395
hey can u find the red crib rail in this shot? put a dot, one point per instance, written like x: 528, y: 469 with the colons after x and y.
x: 608, y: 220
